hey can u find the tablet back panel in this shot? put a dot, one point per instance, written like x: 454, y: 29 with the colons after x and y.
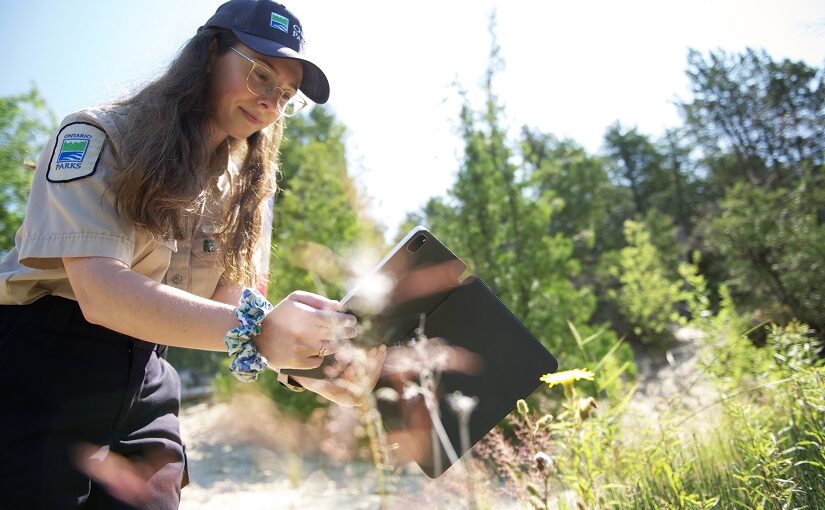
x: 511, y: 362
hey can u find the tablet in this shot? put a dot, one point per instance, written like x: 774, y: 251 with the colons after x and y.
x: 413, y: 278
x: 502, y: 363
x: 492, y: 357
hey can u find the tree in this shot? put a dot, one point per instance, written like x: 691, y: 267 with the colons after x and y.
x: 319, y: 212
x: 647, y: 296
x: 764, y: 117
x: 761, y: 126
x: 25, y: 123
x: 681, y: 193
x: 495, y: 220
x: 590, y: 209
x: 636, y: 164
x: 775, y: 248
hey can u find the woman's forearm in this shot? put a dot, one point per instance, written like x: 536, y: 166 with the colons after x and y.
x: 112, y: 295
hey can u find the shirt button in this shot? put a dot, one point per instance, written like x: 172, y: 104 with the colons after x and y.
x: 176, y: 278
x: 208, y: 245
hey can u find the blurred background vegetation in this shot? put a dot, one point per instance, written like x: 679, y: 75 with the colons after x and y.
x: 718, y: 224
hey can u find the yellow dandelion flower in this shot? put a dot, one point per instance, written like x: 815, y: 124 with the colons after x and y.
x: 567, y: 377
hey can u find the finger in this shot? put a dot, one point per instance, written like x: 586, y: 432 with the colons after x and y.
x: 332, y: 319
x: 377, y: 357
x: 338, y: 333
x: 329, y: 390
x: 375, y: 363
x: 314, y: 300
x: 320, y: 349
x: 304, y: 363
x: 124, y: 479
x: 312, y: 384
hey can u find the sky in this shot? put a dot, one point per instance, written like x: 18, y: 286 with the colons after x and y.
x: 571, y: 68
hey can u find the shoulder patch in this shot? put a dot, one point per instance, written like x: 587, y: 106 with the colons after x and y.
x: 76, y: 152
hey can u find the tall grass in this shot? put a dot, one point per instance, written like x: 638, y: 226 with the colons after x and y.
x: 764, y: 448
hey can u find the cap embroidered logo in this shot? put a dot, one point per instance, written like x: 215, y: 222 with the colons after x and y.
x: 279, y: 22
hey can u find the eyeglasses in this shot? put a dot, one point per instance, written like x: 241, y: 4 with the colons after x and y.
x: 261, y: 81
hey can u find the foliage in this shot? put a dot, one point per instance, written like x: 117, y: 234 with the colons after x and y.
x: 637, y: 165
x: 589, y: 209
x: 319, y: 213
x: 695, y: 290
x: 774, y: 244
x: 25, y: 123
x: 648, y: 296
x: 766, y: 452
x: 766, y: 116
x: 760, y: 126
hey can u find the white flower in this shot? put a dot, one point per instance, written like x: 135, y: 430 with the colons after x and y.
x: 543, y: 460
x: 461, y: 404
x: 387, y: 394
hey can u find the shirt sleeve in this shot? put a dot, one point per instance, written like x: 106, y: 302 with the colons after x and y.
x: 71, y: 211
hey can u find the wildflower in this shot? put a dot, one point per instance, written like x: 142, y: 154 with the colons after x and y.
x: 411, y: 391
x: 544, y: 421
x: 521, y: 405
x: 543, y: 461
x: 566, y: 377
x: 461, y: 404
x: 585, y: 405
x: 387, y: 394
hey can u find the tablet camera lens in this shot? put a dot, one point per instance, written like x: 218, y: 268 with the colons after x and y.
x: 417, y: 243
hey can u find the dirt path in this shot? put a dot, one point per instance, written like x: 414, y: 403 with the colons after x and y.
x: 672, y: 383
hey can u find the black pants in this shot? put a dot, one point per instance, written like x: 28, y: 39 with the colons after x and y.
x: 65, y: 382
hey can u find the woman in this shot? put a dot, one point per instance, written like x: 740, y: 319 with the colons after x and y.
x: 141, y: 231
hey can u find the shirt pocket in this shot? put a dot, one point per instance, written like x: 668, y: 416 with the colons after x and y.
x: 206, y: 264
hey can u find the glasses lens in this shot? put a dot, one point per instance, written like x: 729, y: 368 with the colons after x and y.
x: 261, y: 81
x: 293, y: 106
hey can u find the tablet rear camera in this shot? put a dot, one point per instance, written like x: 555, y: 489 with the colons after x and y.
x: 417, y: 243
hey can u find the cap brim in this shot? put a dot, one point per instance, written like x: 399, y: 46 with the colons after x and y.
x: 314, y: 84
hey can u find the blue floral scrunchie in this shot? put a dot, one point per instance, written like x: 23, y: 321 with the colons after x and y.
x: 247, y: 362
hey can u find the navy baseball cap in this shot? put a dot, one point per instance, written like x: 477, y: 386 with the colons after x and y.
x: 271, y: 29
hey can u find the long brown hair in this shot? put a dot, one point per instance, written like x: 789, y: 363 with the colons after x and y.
x: 165, y: 157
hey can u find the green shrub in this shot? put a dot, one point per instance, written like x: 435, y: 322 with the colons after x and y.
x: 648, y: 296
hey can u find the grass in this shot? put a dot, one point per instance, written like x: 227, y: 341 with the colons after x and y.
x: 767, y: 450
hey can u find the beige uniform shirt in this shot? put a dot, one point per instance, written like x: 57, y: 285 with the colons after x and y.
x: 71, y: 213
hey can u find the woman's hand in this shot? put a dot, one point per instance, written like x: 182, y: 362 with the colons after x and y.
x: 354, y: 382
x: 296, y: 330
